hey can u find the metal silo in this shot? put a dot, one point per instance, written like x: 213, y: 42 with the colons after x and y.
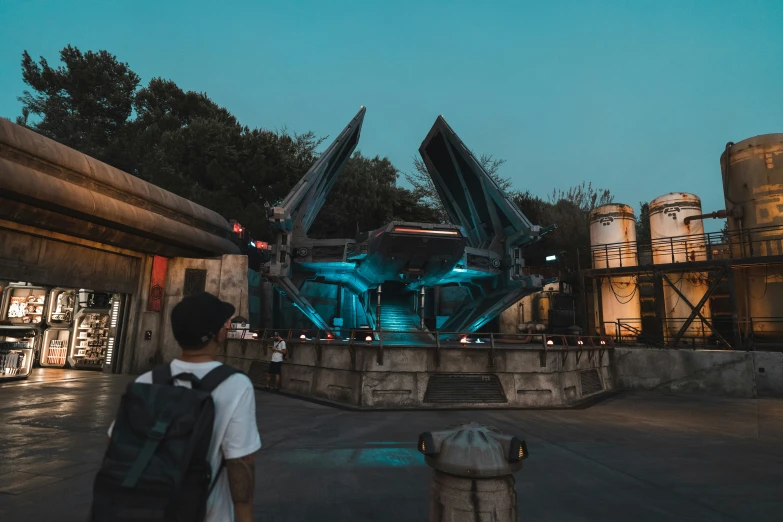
x: 675, y: 241
x: 613, y: 244
x: 753, y: 189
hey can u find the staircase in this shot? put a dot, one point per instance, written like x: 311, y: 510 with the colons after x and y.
x: 398, y: 316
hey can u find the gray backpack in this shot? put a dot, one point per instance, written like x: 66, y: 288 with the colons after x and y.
x: 156, y: 467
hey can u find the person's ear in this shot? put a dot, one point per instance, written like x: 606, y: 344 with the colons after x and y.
x: 221, y: 335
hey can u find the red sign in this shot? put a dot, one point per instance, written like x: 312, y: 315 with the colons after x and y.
x: 157, y: 283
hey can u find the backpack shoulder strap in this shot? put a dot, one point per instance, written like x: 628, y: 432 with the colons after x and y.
x: 215, y: 377
x: 162, y: 374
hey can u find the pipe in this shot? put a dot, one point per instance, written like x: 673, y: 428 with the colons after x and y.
x: 378, y: 309
x: 339, y: 300
x: 421, y: 307
x: 735, y: 212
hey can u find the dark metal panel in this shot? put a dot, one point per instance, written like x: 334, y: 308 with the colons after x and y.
x: 470, y: 195
x: 305, y: 200
x: 47, y: 261
x: 464, y: 388
x: 195, y: 281
x: 590, y: 381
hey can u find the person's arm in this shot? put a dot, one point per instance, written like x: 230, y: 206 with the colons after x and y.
x: 242, y: 480
x: 240, y: 444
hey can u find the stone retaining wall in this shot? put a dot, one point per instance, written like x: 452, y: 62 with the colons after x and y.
x: 329, y: 372
x: 715, y: 372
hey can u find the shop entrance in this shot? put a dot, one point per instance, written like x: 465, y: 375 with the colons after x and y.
x: 59, y: 328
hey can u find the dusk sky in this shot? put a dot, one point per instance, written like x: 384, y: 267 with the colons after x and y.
x: 638, y: 97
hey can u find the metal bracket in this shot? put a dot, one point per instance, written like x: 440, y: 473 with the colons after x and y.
x: 352, y: 350
x: 437, y: 349
x: 380, y: 347
x: 264, y: 347
x: 696, y: 310
x: 491, y: 350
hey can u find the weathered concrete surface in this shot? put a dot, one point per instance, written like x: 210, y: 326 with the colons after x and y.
x: 639, y: 456
x: 327, y: 372
x: 714, y: 372
x: 227, y: 278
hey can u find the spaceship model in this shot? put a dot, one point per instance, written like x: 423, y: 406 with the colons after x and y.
x: 478, y: 258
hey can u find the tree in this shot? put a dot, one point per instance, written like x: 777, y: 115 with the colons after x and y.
x: 184, y: 142
x: 84, y: 104
x: 570, y: 211
x: 363, y: 198
x: 583, y: 196
x: 424, y: 189
x: 643, y: 224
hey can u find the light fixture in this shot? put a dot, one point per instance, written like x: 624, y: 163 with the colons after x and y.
x: 580, y: 342
x: 329, y: 336
x: 464, y: 340
x: 551, y: 259
x: 303, y: 337
x: 550, y: 342
x: 405, y: 230
x: 603, y: 342
x: 517, y: 450
x: 368, y: 338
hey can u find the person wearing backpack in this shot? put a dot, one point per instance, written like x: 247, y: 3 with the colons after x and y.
x: 279, y: 353
x: 182, y: 447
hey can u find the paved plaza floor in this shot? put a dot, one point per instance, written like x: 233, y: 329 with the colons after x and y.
x: 633, y: 457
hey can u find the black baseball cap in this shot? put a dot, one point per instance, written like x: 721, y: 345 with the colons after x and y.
x: 198, y: 318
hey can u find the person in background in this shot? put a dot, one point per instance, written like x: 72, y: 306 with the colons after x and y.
x: 273, y: 374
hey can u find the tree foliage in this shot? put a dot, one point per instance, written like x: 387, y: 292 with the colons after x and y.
x: 643, y: 224
x: 184, y: 142
x: 569, y: 210
x: 85, y: 103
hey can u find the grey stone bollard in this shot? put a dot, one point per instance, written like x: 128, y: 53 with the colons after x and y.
x: 473, y: 473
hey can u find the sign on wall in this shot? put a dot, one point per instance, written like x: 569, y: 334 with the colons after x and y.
x: 157, y: 281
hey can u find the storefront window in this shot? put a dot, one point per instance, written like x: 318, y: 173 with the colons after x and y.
x: 60, y: 328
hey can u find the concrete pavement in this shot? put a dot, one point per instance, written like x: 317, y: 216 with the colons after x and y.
x: 637, y: 456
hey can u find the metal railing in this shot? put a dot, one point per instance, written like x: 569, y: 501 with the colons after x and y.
x: 754, y: 333
x: 732, y: 245
x: 436, y: 340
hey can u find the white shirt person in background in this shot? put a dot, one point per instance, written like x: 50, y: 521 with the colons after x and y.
x: 273, y: 374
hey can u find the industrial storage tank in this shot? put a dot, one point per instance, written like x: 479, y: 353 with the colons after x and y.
x: 675, y: 241
x: 753, y: 189
x: 613, y: 244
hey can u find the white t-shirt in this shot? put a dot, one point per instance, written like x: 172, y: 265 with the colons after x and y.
x: 277, y: 356
x: 235, y: 433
